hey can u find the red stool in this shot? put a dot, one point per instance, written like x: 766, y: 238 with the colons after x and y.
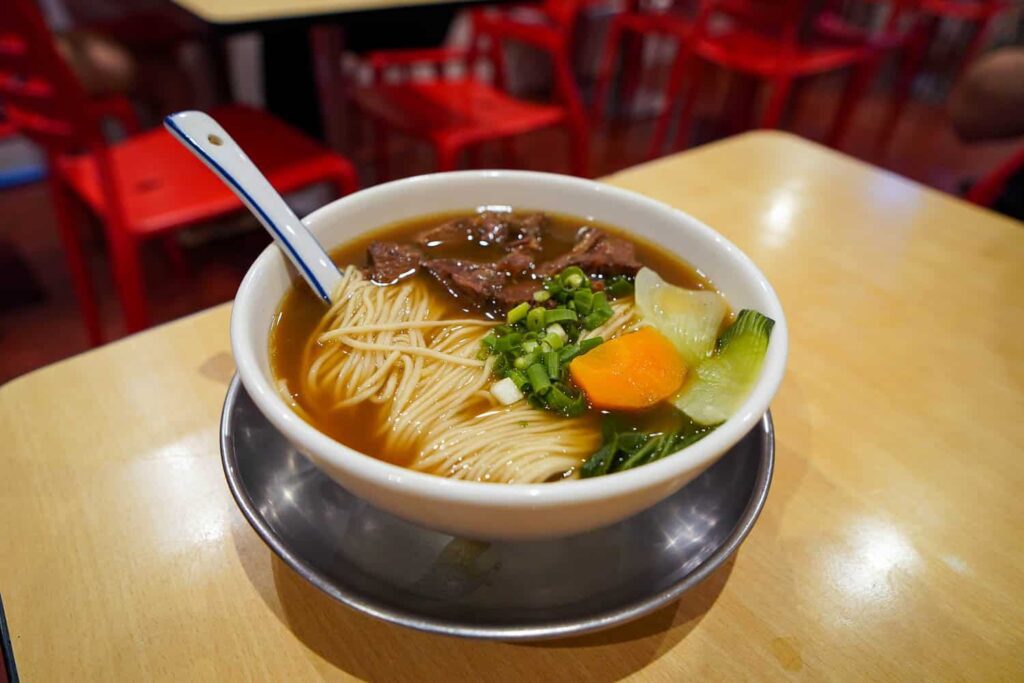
x: 454, y: 114
x: 145, y: 186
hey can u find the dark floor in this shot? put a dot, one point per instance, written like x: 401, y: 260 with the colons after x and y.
x: 35, y: 334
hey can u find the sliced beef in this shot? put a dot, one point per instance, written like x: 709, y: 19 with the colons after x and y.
x: 455, y: 231
x: 514, y: 294
x: 529, y: 231
x: 484, y: 286
x: 597, y: 253
x: 475, y: 284
x: 390, y: 262
x: 491, y: 227
x: 488, y: 227
x: 516, y: 262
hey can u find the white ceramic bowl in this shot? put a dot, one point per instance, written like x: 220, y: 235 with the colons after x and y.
x: 505, y: 511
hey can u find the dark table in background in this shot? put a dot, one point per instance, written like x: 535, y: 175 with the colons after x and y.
x: 303, y: 40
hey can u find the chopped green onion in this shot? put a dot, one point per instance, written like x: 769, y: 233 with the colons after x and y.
x: 584, y: 300
x: 573, y: 277
x: 554, y: 341
x: 518, y: 378
x: 501, y: 365
x: 533, y: 345
x: 538, y: 377
x: 557, y: 329
x: 508, y: 342
x: 557, y: 315
x: 594, y: 320
x: 568, y: 353
x: 551, y: 364
x: 518, y: 313
x: 523, y: 362
x: 535, y: 319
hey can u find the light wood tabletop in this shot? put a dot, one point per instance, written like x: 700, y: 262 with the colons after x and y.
x: 248, y: 11
x: 889, y: 548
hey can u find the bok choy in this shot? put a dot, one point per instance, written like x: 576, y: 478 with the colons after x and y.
x: 719, y: 385
x: 690, y: 318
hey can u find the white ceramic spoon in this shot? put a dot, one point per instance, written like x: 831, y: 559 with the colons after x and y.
x: 205, y: 138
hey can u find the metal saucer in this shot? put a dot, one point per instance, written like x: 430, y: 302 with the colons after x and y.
x: 427, y: 580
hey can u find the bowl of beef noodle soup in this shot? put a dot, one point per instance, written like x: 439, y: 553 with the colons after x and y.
x: 510, y: 354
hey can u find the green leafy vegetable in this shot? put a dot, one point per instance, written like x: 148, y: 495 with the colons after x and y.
x: 717, y: 387
x: 625, y: 449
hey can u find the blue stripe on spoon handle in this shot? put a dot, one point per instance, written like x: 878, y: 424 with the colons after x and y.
x: 205, y: 138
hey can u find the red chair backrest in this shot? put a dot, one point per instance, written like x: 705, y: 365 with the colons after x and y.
x: 564, y: 12
x: 766, y: 12
x: 787, y: 19
x: 39, y: 94
x: 896, y: 9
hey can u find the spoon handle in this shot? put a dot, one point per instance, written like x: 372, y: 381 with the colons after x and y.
x: 205, y: 138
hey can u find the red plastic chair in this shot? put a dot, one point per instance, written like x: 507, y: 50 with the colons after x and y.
x: 833, y: 23
x: 987, y: 190
x: 635, y: 24
x: 457, y: 113
x: 894, y: 35
x: 759, y: 39
x: 141, y: 188
x: 979, y: 13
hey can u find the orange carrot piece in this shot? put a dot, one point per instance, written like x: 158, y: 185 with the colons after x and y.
x: 630, y: 372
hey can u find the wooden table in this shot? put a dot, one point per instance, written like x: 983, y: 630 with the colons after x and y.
x: 890, y: 546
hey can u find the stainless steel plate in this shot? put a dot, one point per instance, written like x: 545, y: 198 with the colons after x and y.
x: 428, y: 580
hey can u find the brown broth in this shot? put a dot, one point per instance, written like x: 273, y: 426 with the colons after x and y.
x: 300, y: 311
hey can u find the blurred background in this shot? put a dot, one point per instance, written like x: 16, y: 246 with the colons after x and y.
x: 108, y: 227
